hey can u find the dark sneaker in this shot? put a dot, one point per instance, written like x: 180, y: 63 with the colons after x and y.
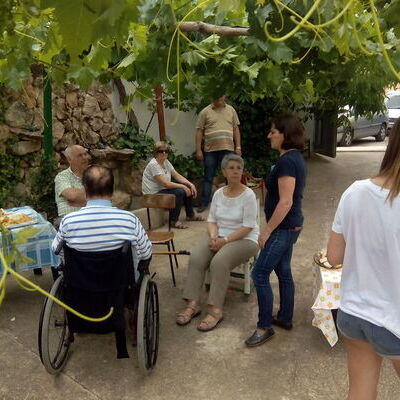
x: 201, y: 209
x: 256, y: 339
x: 285, y: 325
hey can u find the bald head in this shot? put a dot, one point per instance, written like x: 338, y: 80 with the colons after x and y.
x: 78, y: 158
x: 73, y: 151
x: 98, y: 182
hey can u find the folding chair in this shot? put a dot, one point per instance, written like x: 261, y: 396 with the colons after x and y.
x: 166, y: 202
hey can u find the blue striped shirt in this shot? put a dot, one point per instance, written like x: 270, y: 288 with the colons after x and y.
x: 101, y: 227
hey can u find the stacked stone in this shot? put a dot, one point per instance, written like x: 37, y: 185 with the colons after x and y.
x: 83, y: 117
x: 79, y: 117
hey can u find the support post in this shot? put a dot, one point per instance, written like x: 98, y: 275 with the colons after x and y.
x: 160, y: 111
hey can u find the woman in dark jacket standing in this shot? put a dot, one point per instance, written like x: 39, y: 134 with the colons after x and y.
x: 285, y: 185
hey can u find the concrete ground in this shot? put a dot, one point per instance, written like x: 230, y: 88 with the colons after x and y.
x: 296, y: 365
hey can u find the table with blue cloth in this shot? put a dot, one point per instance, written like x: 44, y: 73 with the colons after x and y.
x: 37, y: 247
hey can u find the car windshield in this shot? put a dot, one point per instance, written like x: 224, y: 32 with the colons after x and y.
x: 394, y: 102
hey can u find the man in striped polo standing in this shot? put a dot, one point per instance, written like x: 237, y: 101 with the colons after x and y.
x: 98, y: 226
x: 218, y: 126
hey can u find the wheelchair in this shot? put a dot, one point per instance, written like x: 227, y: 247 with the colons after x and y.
x: 91, y: 283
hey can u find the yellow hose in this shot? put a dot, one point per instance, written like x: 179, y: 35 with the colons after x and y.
x: 33, y: 287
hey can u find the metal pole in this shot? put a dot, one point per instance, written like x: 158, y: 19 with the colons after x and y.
x: 160, y: 111
x: 48, y: 118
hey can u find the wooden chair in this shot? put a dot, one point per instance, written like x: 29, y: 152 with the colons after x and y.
x: 166, y: 202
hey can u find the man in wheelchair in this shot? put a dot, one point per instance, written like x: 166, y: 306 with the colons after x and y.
x: 106, y: 259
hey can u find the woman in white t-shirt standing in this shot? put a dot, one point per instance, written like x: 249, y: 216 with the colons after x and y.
x: 365, y: 238
x: 231, y: 240
x: 157, y: 179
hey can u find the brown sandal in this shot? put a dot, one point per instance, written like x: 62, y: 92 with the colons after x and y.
x: 184, y: 318
x: 208, y: 324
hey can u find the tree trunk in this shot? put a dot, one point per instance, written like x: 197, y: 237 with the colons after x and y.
x: 123, y: 100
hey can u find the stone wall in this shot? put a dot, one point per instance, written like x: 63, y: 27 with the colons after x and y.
x: 79, y: 117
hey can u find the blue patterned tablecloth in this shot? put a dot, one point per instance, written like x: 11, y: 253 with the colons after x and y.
x: 38, y: 247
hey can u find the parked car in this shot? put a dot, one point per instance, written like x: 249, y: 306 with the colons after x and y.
x: 393, y: 107
x: 350, y: 128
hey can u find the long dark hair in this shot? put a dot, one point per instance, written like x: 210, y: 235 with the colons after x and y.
x: 390, y: 167
x: 292, y: 129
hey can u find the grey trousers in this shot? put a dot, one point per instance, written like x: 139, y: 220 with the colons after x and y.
x: 220, y: 265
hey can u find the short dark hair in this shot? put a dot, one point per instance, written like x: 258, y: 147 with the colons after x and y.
x: 292, y: 129
x: 98, y: 181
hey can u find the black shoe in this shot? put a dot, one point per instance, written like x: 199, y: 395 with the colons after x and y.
x: 201, y: 209
x: 285, y: 325
x: 259, y: 338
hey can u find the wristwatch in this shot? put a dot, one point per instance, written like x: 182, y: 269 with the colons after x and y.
x: 238, y: 147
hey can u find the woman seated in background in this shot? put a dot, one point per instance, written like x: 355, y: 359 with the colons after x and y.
x: 231, y: 240
x: 365, y: 238
x: 157, y: 179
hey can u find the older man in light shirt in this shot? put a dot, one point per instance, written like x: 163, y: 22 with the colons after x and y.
x: 69, y: 192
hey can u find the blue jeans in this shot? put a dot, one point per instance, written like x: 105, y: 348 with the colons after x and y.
x: 212, y: 160
x: 181, y: 199
x: 275, y: 256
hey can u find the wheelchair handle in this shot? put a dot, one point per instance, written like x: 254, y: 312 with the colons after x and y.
x: 59, y: 247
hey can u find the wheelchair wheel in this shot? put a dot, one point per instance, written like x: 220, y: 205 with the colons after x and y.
x: 53, y: 331
x: 147, y: 325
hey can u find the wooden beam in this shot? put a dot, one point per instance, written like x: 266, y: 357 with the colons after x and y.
x: 209, y: 29
x: 160, y: 111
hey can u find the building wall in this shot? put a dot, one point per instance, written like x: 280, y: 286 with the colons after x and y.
x: 180, y: 126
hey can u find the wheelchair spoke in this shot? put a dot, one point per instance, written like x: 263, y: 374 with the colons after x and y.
x: 54, y: 344
x: 148, y: 327
x: 59, y: 337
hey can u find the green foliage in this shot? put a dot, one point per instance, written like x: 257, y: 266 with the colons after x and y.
x: 42, y: 196
x: 188, y: 166
x: 9, y: 176
x: 342, y: 62
x: 256, y: 149
x: 131, y: 138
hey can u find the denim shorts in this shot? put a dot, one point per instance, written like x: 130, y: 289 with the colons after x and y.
x: 385, y: 343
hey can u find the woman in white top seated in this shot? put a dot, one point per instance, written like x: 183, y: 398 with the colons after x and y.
x: 157, y: 179
x: 231, y: 240
x: 365, y: 238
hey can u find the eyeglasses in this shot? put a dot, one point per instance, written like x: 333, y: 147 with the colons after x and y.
x: 162, y: 151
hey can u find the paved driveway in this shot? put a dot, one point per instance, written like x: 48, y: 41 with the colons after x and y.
x: 366, y: 144
x: 296, y: 365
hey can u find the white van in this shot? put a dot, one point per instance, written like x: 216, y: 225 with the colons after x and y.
x: 393, y: 107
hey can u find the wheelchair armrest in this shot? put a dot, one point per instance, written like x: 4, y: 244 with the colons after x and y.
x: 59, y: 247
